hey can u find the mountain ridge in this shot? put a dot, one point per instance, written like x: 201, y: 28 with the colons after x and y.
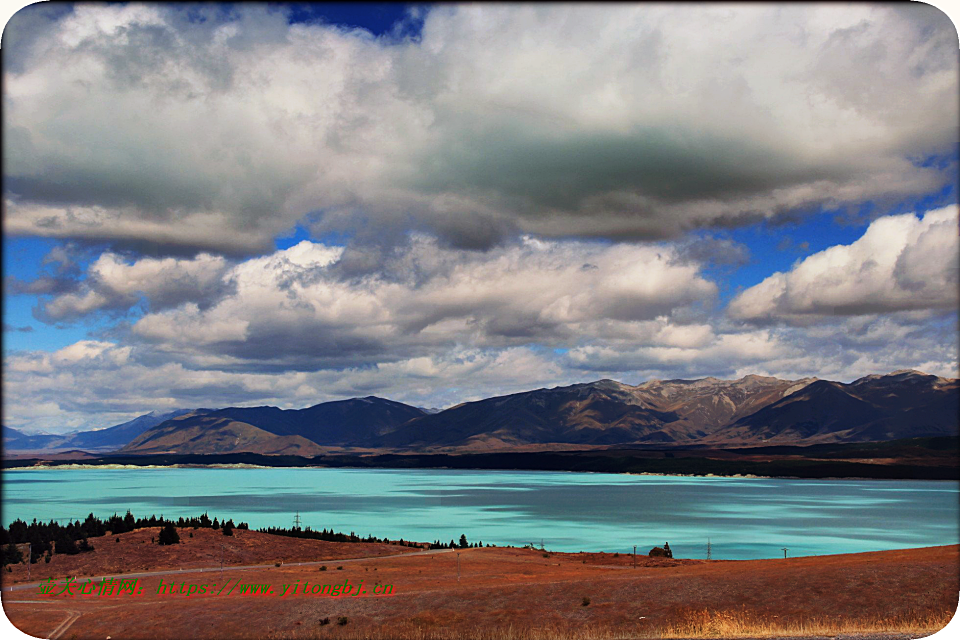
x: 753, y: 410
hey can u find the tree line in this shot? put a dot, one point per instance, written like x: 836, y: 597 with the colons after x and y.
x: 73, y: 537
x: 333, y: 536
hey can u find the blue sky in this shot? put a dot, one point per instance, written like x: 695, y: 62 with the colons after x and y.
x: 287, y: 204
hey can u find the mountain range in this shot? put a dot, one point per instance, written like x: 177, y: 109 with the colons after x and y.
x: 752, y: 411
x: 108, y: 439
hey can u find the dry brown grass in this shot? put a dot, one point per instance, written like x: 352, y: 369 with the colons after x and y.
x: 403, y: 632
x: 743, y: 623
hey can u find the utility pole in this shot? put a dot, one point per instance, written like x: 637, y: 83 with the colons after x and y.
x: 29, y: 558
x: 221, y: 562
x: 785, y: 552
x: 634, y: 556
x: 458, y: 566
x: 708, y: 549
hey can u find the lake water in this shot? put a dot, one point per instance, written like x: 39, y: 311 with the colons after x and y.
x: 742, y: 517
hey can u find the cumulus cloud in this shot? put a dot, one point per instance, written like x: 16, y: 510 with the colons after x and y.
x: 111, y: 283
x: 297, y: 308
x: 901, y: 263
x: 147, y: 127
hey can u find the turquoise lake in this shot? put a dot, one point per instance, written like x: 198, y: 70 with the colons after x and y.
x: 742, y: 517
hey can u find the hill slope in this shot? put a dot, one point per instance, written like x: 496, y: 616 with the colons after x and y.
x: 99, y: 440
x: 201, y: 434
x: 273, y: 430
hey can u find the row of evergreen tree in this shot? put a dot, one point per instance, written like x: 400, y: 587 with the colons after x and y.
x: 71, y: 538
x: 330, y: 536
x: 334, y: 536
x: 463, y: 544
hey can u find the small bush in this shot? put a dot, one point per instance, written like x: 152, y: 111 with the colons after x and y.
x: 546, y: 555
x: 342, y: 620
x: 340, y: 568
x: 616, y: 555
x: 324, y: 621
x: 323, y: 567
x: 276, y: 564
x: 118, y: 539
x: 585, y: 602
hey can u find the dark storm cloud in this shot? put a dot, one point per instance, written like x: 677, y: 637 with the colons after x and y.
x: 144, y: 126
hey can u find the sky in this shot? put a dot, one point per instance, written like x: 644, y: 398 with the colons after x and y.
x: 242, y: 205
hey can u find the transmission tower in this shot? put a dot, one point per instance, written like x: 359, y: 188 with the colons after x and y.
x: 708, y: 549
x: 296, y: 520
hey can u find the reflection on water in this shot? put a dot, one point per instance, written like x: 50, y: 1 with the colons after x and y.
x: 743, y: 517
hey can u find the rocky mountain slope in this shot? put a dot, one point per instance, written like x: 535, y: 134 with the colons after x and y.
x: 598, y: 413
x: 903, y: 404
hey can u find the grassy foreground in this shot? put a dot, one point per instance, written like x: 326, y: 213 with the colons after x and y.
x: 494, y: 593
x: 697, y: 624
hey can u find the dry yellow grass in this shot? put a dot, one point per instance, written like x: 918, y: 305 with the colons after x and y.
x: 742, y: 623
x: 696, y: 624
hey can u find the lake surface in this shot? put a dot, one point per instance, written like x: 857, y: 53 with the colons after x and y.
x: 742, y: 517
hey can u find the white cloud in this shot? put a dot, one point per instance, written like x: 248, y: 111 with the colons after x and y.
x: 297, y: 307
x: 900, y: 263
x: 139, y: 126
x: 112, y: 283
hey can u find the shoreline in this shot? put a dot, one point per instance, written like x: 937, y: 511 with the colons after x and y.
x: 911, y: 459
x: 243, y: 465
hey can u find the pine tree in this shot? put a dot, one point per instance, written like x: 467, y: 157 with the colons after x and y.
x: 12, y: 555
x: 168, y: 535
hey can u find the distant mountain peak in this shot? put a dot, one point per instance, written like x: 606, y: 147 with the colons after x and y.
x: 899, y: 374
